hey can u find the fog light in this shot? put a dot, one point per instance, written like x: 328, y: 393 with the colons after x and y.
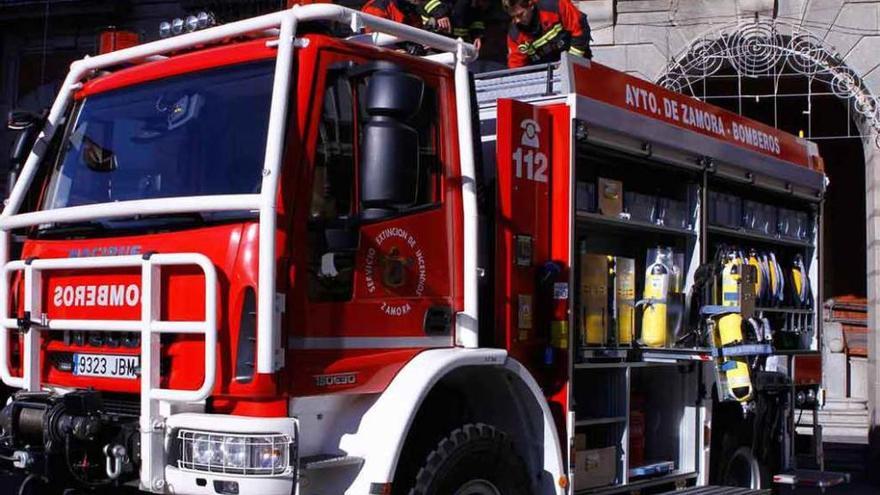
x: 164, y: 29
x: 226, y: 487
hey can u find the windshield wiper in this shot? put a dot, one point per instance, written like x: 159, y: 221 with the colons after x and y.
x: 140, y: 222
x: 71, y: 228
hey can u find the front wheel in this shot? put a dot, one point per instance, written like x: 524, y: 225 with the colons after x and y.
x: 476, y: 459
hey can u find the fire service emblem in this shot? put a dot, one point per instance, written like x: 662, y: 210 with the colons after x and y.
x: 395, y: 267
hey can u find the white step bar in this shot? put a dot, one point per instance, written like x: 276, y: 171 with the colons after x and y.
x: 150, y: 327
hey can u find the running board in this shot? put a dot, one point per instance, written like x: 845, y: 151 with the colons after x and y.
x: 719, y: 490
x: 327, y: 461
x: 811, y: 478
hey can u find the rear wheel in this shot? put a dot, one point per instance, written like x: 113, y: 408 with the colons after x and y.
x: 744, y: 470
x: 476, y: 459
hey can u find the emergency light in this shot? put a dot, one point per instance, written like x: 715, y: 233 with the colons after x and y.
x: 202, y: 20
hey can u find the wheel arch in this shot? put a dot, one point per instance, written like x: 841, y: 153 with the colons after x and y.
x: 439, y: 388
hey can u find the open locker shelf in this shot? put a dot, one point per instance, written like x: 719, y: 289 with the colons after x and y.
x: 606, y: 368
x: 604, y: 356
x: 740, y: 234
x: 754, y: 220
x: 662, y: 402
x: 595, y: 220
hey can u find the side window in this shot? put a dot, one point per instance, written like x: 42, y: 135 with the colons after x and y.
x: 332, y: 202
x: 425, y: 122
x: 336, y: 206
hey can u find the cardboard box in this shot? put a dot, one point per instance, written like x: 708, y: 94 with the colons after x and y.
x: 580, y: 441
x: 610, y: 197
x: 594, y: 298
x: 625, y: 295
x: 595, y: 467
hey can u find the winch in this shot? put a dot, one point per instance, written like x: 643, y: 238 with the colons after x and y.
x: 68, y: 438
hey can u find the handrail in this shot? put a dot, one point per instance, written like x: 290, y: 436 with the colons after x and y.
x: 148, y: 325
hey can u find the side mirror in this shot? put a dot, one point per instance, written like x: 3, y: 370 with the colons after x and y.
x: 28, y: 125
x: 19, y: 120
x: 389, y: 169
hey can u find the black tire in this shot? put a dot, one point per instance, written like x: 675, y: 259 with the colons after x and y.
x: 476, y: 459
x: 743, y: 470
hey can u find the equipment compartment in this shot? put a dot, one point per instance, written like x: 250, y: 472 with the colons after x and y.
x: 632, y: 268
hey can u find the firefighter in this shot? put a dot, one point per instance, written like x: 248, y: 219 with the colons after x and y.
x: 468, y: 20
x: 540, y: 30
x: 436, y: 15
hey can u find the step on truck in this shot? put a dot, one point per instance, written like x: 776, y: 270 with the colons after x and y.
x: 258, y: 259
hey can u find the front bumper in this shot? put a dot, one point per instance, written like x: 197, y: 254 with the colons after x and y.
x: 179, y: 479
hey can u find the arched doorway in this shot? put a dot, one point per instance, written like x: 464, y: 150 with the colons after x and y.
x: 789, y: 78
x: 786, y: 77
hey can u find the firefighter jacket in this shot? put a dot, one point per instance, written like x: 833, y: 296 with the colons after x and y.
x: 468, y: 20
x: 393, y: 10
x: 556, y: 26
x: 433, y: 10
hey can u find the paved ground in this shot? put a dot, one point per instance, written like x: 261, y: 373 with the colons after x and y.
x: 852, y: 459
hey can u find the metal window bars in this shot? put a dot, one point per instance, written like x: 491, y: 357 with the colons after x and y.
x: 269, y: 351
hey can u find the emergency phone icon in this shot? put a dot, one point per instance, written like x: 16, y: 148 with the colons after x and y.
x: 529, y: 161
x: 530, y: 130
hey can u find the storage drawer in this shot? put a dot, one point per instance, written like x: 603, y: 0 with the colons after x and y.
x: 674, y: 213
x: 641, y: 207
x: 759, y: 217
x: 794, y: 224
x: 725, y: 210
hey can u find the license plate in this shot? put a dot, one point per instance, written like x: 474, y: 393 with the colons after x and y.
x: 105, y: 365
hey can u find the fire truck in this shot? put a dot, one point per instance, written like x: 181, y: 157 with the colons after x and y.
x: 257, y: 258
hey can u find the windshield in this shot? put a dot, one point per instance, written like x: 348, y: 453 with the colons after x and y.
x: 197, y: 134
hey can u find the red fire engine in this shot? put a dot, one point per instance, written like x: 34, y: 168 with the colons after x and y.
x: 259, y: 259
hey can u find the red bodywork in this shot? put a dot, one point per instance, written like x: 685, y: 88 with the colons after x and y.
x: 430, y: 238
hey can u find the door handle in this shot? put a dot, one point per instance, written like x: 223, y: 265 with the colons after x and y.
x: 438, y: 320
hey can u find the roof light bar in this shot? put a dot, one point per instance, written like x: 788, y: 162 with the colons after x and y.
x: 201, y: 20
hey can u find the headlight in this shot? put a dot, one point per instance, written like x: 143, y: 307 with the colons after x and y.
x: 256, y: 455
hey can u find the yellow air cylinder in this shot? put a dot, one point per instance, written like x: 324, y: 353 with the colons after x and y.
x: 730, y: 331
x: 654, y: 314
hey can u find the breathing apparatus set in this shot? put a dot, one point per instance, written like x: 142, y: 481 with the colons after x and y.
x: 661, y: 309
x: 609, y: 310
x: 731, y: 293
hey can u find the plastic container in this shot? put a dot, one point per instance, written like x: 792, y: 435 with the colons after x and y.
x: 641, y: 207
x: 794, y: 224
x: 759, y: 217
x: 674, y: 213
x: 585, y: 196
x: 725, y: 210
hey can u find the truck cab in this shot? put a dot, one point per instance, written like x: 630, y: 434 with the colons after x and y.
x: 150, y: 295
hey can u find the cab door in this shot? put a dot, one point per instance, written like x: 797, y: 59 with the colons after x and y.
x: 375, y: 278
